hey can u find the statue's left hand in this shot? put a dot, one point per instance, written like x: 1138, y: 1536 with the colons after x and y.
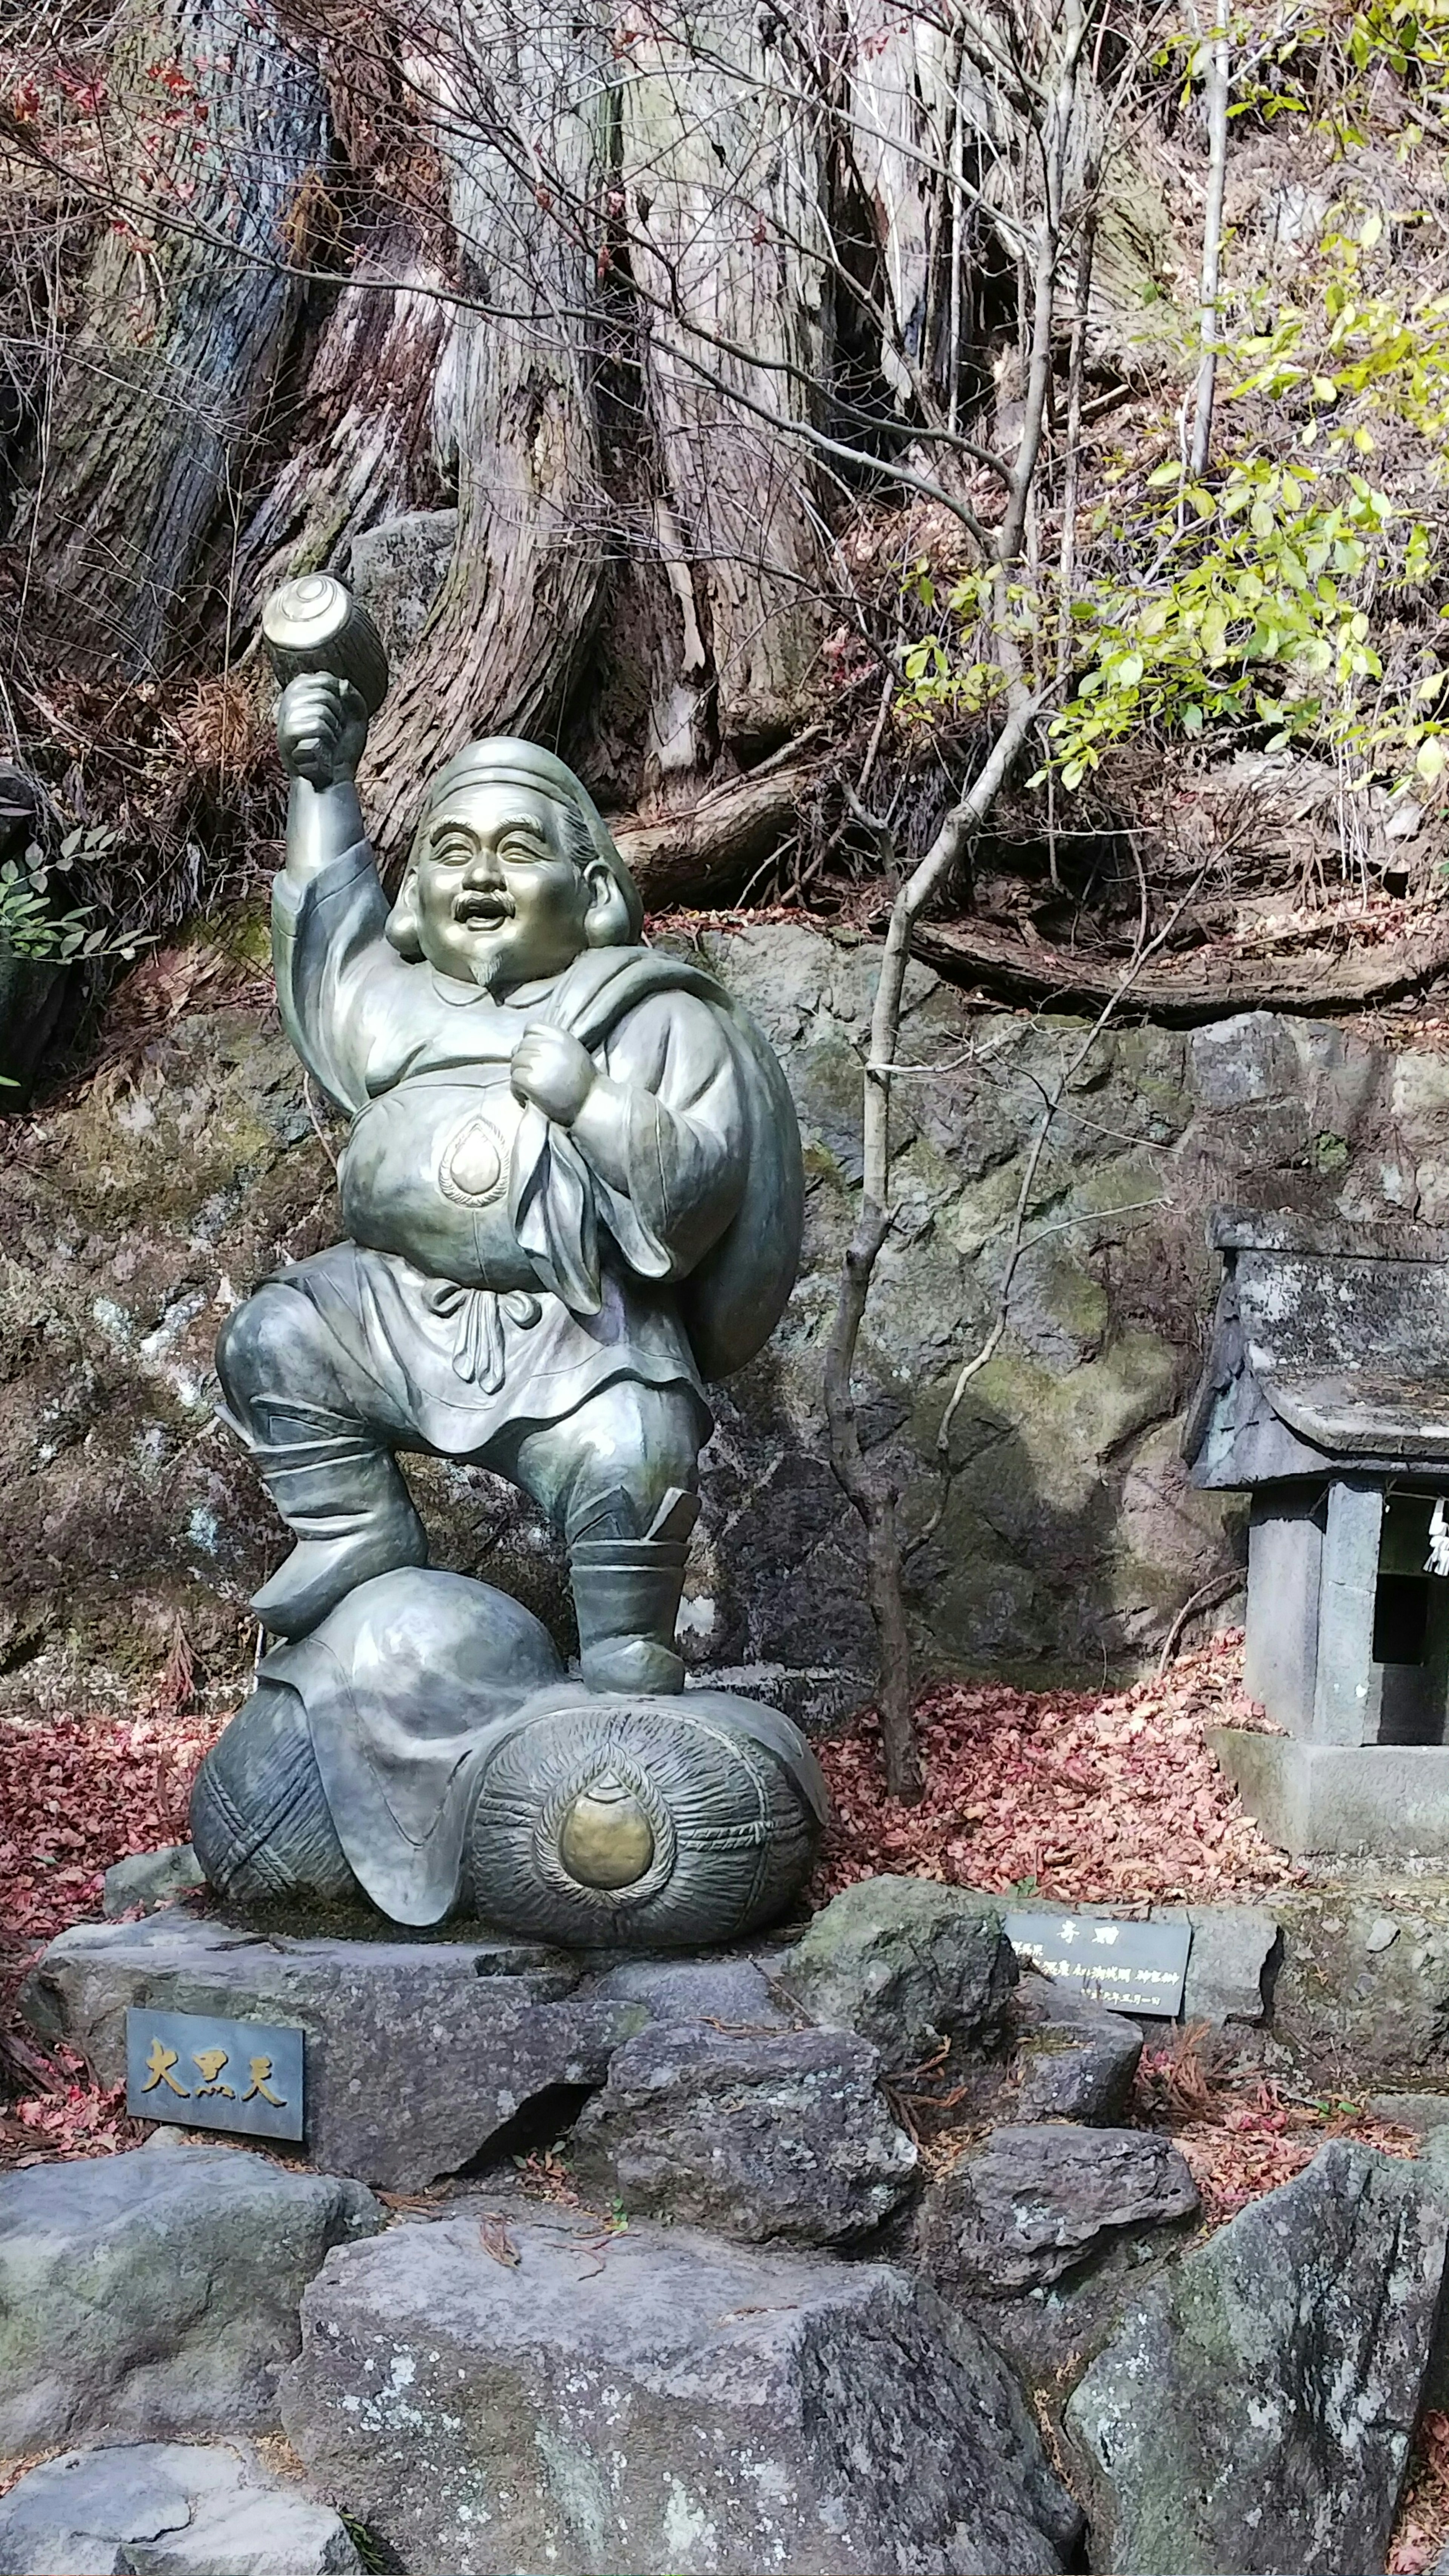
x: 553, y: 1071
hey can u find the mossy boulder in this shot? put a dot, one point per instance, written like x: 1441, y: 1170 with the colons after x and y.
x: 909, y: 1965
x: 1252, y: 2416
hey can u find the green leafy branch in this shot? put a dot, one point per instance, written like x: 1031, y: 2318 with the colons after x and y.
x: 31, y: 926
x: 1265, y: 596
x: 1260, y: 624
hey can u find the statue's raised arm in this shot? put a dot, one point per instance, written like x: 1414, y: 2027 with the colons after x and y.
x: 329, y: 912
x: 321, y: 735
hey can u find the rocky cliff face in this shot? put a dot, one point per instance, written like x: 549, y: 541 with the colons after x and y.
x: 133, y: 1214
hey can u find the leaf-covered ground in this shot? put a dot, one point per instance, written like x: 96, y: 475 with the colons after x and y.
x: 1108, y: 1797
x: 1082, y: 1797
x: 78, y: 1792
x: 1423, y: 2525
x: 1244, y: 2135
x: 1111, y: 1797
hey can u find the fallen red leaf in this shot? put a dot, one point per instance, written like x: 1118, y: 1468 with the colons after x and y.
x: 1080, y: 1797
x: 79, y: 1793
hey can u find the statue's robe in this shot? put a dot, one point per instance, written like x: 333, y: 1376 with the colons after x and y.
x: 494, y: 1277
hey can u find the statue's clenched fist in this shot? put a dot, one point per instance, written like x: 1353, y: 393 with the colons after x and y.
x: 553, y: 1071
x: 321, y: 728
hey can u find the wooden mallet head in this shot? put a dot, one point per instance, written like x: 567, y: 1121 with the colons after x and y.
x: 314, y: 624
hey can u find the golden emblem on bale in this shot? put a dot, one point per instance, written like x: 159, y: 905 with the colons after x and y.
x: 606, y: 1839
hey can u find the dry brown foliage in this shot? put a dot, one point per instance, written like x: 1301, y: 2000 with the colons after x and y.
x: 1071, y: 1795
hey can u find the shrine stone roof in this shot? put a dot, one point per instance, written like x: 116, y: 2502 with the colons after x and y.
x: 1330, y: 1353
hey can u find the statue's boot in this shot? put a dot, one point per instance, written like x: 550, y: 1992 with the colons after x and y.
x: 353, y: 1517
x: 626, y: 1598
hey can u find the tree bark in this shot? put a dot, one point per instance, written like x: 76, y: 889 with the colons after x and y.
x: 360, y: 439
x: 519, y: 126
x: 214, y: 134
x: 722, y: 189
x: 906, y: 78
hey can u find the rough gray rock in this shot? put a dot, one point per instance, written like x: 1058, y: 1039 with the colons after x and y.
x: 1253, y: 2415
x: 1344, y: 1995
x: 149, y: 1879
x: 1427, y: 2113
x: 1232, y: 1952
x: 781, y: 2134
x: 1034, y: 2204
x: 396, y: 569
x: 659, y: 2401
x: 1075, y: 2061
x: 418, y: 2052
x: 906, y: 1963
x: 726, y: 1988
x: 155, y: 2295
x: 166, y: 2509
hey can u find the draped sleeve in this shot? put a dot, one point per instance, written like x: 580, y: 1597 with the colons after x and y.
x: 687, y: 1136
x: 685, y: 1149
x: 333, y: 968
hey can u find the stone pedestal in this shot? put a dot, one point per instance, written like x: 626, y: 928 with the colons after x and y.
x: 418, y: 2054
x: 1389, y: 1799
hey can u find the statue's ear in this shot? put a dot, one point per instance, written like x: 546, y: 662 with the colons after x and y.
x: 606, y: 923
x: 403, y: 926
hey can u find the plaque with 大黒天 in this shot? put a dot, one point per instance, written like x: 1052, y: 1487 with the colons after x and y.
x: 1131, y: 1967
x: 206, y: 2073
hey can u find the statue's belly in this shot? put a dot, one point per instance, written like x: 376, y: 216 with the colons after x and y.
x: 425, y: 1174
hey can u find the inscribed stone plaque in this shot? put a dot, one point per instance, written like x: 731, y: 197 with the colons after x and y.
x: 205, y: 2073
x: 1137, y: 1967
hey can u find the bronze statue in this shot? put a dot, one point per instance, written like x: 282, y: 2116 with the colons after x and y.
x: 572, y: 1188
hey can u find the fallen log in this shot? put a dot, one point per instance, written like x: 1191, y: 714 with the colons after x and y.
x: 1018, y: 971
x: 706, y: 852
x: 710, y: 848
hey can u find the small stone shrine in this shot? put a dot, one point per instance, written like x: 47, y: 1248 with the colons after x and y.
x: 1326, y: 1397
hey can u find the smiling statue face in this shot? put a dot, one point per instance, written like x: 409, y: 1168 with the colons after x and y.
x: 500, y: 899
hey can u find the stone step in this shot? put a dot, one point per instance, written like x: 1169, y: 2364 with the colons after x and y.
x: 515, y: 2386
x: 170, y: 2508
x: 417, y: 2052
